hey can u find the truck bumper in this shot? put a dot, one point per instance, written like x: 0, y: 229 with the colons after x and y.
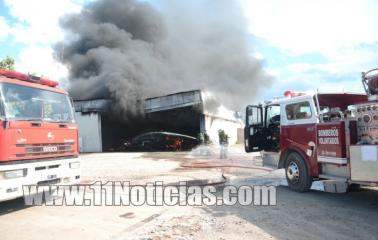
x: 45, y: 172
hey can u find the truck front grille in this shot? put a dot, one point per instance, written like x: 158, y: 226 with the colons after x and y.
x: 49, y: 182
x: 44, y: 149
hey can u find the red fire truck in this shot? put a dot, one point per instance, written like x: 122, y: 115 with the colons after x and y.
x: 319, y: 136
x: 38, y: 134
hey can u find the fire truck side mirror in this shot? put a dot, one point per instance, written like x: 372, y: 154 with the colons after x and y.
x: 73, y: 108
x: 72, y: 104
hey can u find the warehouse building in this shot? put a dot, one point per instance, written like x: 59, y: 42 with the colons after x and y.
x: 185, y: 113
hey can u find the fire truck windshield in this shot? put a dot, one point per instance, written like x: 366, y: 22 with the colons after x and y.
x: 33, y: 104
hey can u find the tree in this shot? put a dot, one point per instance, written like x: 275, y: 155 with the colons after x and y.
x: 7, y: 63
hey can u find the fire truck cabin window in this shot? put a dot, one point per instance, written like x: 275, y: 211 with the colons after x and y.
x: 254, y: 116
x: 26, y: 104
x: 273, y: 115
x: 297, y: 111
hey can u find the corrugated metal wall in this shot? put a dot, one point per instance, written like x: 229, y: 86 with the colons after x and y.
x: 90, y: 138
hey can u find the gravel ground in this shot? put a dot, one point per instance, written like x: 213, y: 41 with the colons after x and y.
x: 312, y: 215
x: 140, y: 168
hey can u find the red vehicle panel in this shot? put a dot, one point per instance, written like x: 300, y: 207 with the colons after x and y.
x: 35, y: 140
x: 331, y: 139
x: 299, y: 137
x: 31, y: 84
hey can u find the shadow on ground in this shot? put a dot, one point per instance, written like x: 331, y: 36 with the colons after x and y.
x: 12, y: 206
x: 313, y: 215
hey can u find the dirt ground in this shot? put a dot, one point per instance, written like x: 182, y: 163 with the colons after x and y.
x: 312, y: 215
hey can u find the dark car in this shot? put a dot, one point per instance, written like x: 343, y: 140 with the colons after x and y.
x: 161, y: 141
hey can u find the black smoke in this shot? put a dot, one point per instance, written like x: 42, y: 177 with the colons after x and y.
x: 129, y: 50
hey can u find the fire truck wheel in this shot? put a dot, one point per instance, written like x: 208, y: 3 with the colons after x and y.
x: 297, y: 175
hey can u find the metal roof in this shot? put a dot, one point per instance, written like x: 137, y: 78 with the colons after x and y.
x: 172, y: 101
x: 97, y: 105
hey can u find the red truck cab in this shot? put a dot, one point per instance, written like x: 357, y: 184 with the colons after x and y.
x: 38, y: 134
x: 308, y: 134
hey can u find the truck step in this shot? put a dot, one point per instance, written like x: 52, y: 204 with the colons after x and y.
x: 335, y: 185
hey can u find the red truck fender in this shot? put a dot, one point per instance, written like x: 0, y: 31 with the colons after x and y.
x: 286, y: 152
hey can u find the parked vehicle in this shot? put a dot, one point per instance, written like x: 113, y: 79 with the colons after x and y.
x: 319, y: 136
x: 38, y: 134
x: 161, y: 141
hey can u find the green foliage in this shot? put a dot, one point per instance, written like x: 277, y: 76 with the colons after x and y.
x: 7, y: 63
x: 207, y: 139
x: 203, y: 138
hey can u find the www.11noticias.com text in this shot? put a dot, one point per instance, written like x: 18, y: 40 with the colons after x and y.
x: 153, y: 194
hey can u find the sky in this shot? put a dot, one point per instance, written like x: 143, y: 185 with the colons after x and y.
x: 305, y: 45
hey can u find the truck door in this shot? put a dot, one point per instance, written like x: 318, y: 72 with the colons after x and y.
x: 272, y: 128
x: 254, y: 134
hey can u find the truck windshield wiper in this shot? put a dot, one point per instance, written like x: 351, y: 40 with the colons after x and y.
x: 27, y: 119
x: 53, y: 120
x: 40, y: 120
x: 49, y: 120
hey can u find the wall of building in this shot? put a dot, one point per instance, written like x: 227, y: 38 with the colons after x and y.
x: 212, y: 124
x: 90, y: 139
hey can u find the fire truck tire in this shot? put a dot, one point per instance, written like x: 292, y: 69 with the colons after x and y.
x: 297, y: 175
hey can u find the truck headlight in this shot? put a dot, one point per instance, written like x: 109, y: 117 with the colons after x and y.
x: 13, y: 173
x: 75, y: 165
